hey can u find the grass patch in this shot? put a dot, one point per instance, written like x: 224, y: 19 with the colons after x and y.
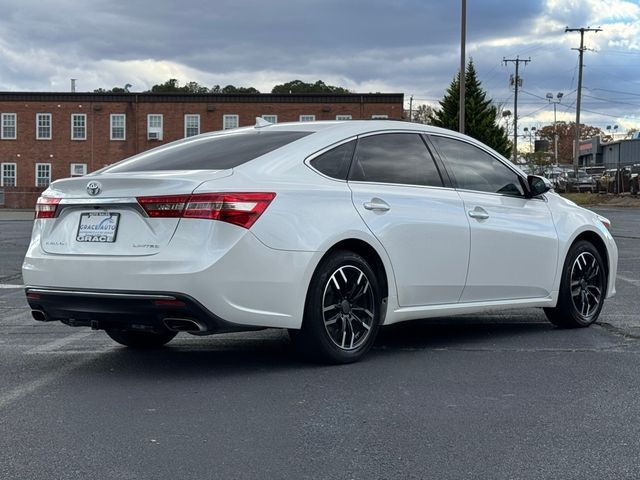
x: 603, y: 200
x: 585, y: 199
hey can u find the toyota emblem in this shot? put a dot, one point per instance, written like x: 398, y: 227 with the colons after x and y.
x: 94, y: 188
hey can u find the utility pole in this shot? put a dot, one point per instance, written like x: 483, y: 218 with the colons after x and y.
x: 576, y: 147
x: 517, y: 82
x: 463, y: 66
x: 411, y: 108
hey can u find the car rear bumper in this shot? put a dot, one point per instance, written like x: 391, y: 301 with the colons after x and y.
x: 240, y: 280
x: 110, y: 309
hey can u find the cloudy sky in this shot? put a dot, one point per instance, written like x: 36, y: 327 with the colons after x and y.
x: 407, y: 46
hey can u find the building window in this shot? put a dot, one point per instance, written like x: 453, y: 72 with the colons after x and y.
x: 191, y: 125
x: 78, y: 126
x: 379, y: 117
x: 307, y: 118
x: 270, y: 118
x: 8, y: 178
x: 154, y: 126
x: 78, y: 169
x: 43, y: 174
x: 230, y: 121
x: 118, y: 126
x: 43, y: 126
x: 8, y: 131
x: 344, y: 117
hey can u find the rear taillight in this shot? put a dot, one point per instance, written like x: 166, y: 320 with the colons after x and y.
x: 46, y: 207
x: 242, y: 209
x: 166, y: 206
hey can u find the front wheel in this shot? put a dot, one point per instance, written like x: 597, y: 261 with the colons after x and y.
x: 342, y: 311
x: 582, y: 288
x: 141, y: 339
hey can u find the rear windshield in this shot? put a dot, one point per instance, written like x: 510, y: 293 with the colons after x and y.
x: 208, y: 153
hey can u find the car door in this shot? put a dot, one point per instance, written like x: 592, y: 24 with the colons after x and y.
x: 514, y: 244
x: 399, y: 192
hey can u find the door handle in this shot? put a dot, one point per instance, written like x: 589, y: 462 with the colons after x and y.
x: 479, y: 213
x: 377, y: 205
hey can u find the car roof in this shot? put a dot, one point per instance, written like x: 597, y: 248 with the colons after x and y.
x: 325, y: 134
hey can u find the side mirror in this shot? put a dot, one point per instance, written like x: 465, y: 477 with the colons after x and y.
x: 538, y: 185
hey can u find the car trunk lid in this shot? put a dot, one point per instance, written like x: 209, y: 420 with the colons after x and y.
x: 100, y: 214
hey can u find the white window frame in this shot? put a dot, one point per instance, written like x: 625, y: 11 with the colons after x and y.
x: 344, y: 117
x: 124, y: 127
x: 15, y: 174
x: 48, y: 165
x: 155, y: 129
x: 307, y: 118
x: 84, y: 126
x: 379, y: 117
x: 72, y: 168
x: 44, y: 115
x: 230, y: 116
x: 188, y: 116
x: 273, y: 117
x: 15, y: 126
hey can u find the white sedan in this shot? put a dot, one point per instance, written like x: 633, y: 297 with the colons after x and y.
x: 328, y: 229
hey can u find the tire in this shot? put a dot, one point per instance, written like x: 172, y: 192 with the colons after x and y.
x: 342, y: 311
x: 141, y: 339
x: 582, y: 288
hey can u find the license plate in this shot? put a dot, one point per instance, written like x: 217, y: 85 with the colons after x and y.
x: 100, y: 227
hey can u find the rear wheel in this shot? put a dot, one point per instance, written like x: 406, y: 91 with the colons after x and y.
x: 141, y: 339
x: 342, y: 311
x: 582, y: 289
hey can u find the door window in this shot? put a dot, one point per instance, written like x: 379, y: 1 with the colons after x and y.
x: 395, y: 158
x: 474, y: 169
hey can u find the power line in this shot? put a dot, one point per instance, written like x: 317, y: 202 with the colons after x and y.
x: 613, y: 91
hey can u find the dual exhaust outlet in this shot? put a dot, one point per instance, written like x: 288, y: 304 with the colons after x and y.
x: 173, y: 324
x: 184, y: 325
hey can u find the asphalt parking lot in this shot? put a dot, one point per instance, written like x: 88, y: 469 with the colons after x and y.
x: 499, y: 395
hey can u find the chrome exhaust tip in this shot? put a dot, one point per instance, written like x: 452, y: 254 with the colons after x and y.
x: 183, y: 325
x: 39, y: 315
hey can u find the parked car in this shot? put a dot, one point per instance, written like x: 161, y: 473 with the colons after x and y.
x: 580, y: 181
x: 613, y: 180
x: 327, y: 229
x: 558, y: 181
x: 634, y: 179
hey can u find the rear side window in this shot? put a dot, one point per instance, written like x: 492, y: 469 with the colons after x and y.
x: 395, y: 158
x: 335, y: 163
x: 207, y: 153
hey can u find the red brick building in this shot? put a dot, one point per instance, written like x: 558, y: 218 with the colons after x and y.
x: 47, y: 136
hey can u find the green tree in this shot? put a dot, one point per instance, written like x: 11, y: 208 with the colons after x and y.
x: 298, y: 86
x: 173, y: 86
x: 234, y: 89
x: 112, y: 90
x: 481, y: 115
x: 170, y: 86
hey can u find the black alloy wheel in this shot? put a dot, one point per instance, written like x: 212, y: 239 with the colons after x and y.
x: 342, y: 312
x: 582, y: 290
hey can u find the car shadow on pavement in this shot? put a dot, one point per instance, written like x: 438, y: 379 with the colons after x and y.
x: 271, y: 350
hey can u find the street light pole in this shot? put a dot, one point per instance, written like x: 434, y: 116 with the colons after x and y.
x: 555, y: 122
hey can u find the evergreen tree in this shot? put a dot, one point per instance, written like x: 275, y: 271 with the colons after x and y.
x: 481, y: 116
